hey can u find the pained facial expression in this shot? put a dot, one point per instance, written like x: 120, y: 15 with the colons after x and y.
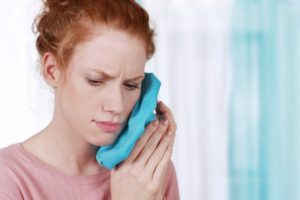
x: 104, y: 77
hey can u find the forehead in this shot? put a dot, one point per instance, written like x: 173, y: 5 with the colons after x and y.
x: 110, y: 50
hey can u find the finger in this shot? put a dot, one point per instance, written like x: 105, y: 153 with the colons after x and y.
x: 167, y: 114
x: 165, y: 111
x: 151, y: 128
x: 158, y: 114
x: 152, y: 143
x: 158, y: 154
x: 162, y: 167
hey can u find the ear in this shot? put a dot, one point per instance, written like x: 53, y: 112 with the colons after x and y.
x: 51, y: 72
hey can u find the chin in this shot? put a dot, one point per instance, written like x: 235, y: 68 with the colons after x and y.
x: 104, y: 141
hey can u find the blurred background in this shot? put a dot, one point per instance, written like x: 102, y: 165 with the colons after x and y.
x: 230, y: 71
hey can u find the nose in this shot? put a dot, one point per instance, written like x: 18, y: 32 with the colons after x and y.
x: 114, y: 101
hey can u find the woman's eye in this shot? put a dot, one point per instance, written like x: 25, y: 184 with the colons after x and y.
x: 132, y: 86
x: 94, y: 82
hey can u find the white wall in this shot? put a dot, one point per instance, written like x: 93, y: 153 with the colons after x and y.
x: 192, y: 62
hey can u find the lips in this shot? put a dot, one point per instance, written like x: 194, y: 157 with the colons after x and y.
x: 109, y: 127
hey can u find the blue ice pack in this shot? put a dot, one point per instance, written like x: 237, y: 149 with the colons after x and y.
x: 141, y: 115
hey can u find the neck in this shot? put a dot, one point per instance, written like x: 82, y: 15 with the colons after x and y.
x: 59, y: 146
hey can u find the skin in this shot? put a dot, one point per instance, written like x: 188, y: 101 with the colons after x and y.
x: 83, y: 94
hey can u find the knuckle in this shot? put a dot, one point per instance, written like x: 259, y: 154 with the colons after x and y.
x: 157, y: 156
x: 153, y: 126
x: 161, y: 130
x: 150, y: 127
x: 148, y: 134
x: 139, y: 144
x: 154, y: 123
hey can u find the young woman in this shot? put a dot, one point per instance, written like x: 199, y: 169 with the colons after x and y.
x: 93, y: 55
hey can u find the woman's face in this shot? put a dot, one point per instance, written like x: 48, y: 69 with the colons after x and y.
x: 104, y: 77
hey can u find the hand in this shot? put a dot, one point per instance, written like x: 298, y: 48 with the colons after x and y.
x: 142, y: 174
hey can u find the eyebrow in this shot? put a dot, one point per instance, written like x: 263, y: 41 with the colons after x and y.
x: 108, y: 76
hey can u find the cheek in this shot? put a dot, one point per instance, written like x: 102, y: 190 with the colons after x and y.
x: 75, y: 102
x: 131, y: 101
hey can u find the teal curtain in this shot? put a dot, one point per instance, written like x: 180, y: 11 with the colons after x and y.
x: 264, y: 135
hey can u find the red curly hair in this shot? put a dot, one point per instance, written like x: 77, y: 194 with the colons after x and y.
x: 63, y: 24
